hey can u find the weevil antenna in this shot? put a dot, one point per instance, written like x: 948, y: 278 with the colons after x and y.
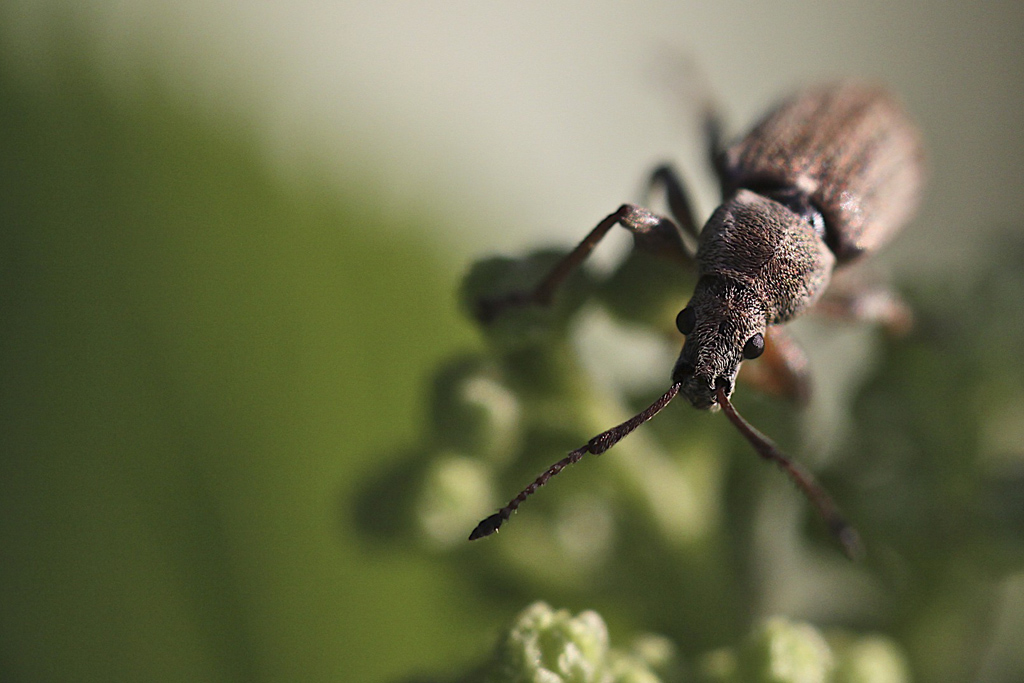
x: 598, y: 445
x: 847, y: 536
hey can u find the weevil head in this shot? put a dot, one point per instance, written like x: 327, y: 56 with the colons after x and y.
x: 724, y: 324
x: 761, y: 262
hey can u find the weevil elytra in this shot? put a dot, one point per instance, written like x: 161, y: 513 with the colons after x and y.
x: 826, y: 177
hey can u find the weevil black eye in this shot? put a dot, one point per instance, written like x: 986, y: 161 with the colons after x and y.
x: 686, y: 320
x: 754, y: 347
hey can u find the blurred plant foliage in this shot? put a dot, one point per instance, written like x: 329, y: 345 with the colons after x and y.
x: 198, y: 361
x: 679, y: 529
x: 552, y: 646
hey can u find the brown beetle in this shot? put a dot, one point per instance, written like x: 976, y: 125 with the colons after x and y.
x: 829, y: 175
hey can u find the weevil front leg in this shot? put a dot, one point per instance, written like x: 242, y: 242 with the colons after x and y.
x: 691, y: 83
x: 666, y: 176
x: 651, y: 232
x: 782, y: 370
x: 678, y: 200
x: 716, y: 149
x: 852, y: 297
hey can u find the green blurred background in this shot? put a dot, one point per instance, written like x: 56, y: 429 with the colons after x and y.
x: 230, y: 240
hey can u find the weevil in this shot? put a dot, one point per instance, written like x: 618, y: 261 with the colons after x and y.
x: 825, y: 178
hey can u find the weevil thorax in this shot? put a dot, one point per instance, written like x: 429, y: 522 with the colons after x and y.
x: 760, y: 263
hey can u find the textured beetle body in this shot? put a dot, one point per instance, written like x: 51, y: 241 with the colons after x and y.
x: 760, y: 264
x: 849, y: 149
x: 825, y: 177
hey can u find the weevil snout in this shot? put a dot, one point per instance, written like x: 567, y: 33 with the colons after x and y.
x: 723, y: 326
x: 699, y: 385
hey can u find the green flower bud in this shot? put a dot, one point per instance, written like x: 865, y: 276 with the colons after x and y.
x: 781, y: 651
x: 455, y: 489
x: 871, y: 659
x: 552, y: 646
x: 516, y: 326
x: 473, y: 412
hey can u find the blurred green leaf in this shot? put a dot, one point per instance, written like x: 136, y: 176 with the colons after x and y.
x: 198, y: 361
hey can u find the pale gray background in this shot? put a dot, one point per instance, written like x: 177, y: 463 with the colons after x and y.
x: 529, y: 120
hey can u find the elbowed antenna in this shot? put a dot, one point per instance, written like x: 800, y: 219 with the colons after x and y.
x: 598, y: 445
x: 844, y: 533
x: 847, y: 536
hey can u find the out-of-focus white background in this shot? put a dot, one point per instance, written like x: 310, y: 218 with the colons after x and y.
x: 533, y: 118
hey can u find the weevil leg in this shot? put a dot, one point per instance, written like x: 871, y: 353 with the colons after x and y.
x: 651, y: 232
x: 675, y: 192
x: 666, y: 177
x: 782, y: 370
x: 852, y: 297
x: 713, y: 128
x: 690, y: 82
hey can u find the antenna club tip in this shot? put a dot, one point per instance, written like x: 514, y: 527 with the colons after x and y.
x: 487, y: 526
